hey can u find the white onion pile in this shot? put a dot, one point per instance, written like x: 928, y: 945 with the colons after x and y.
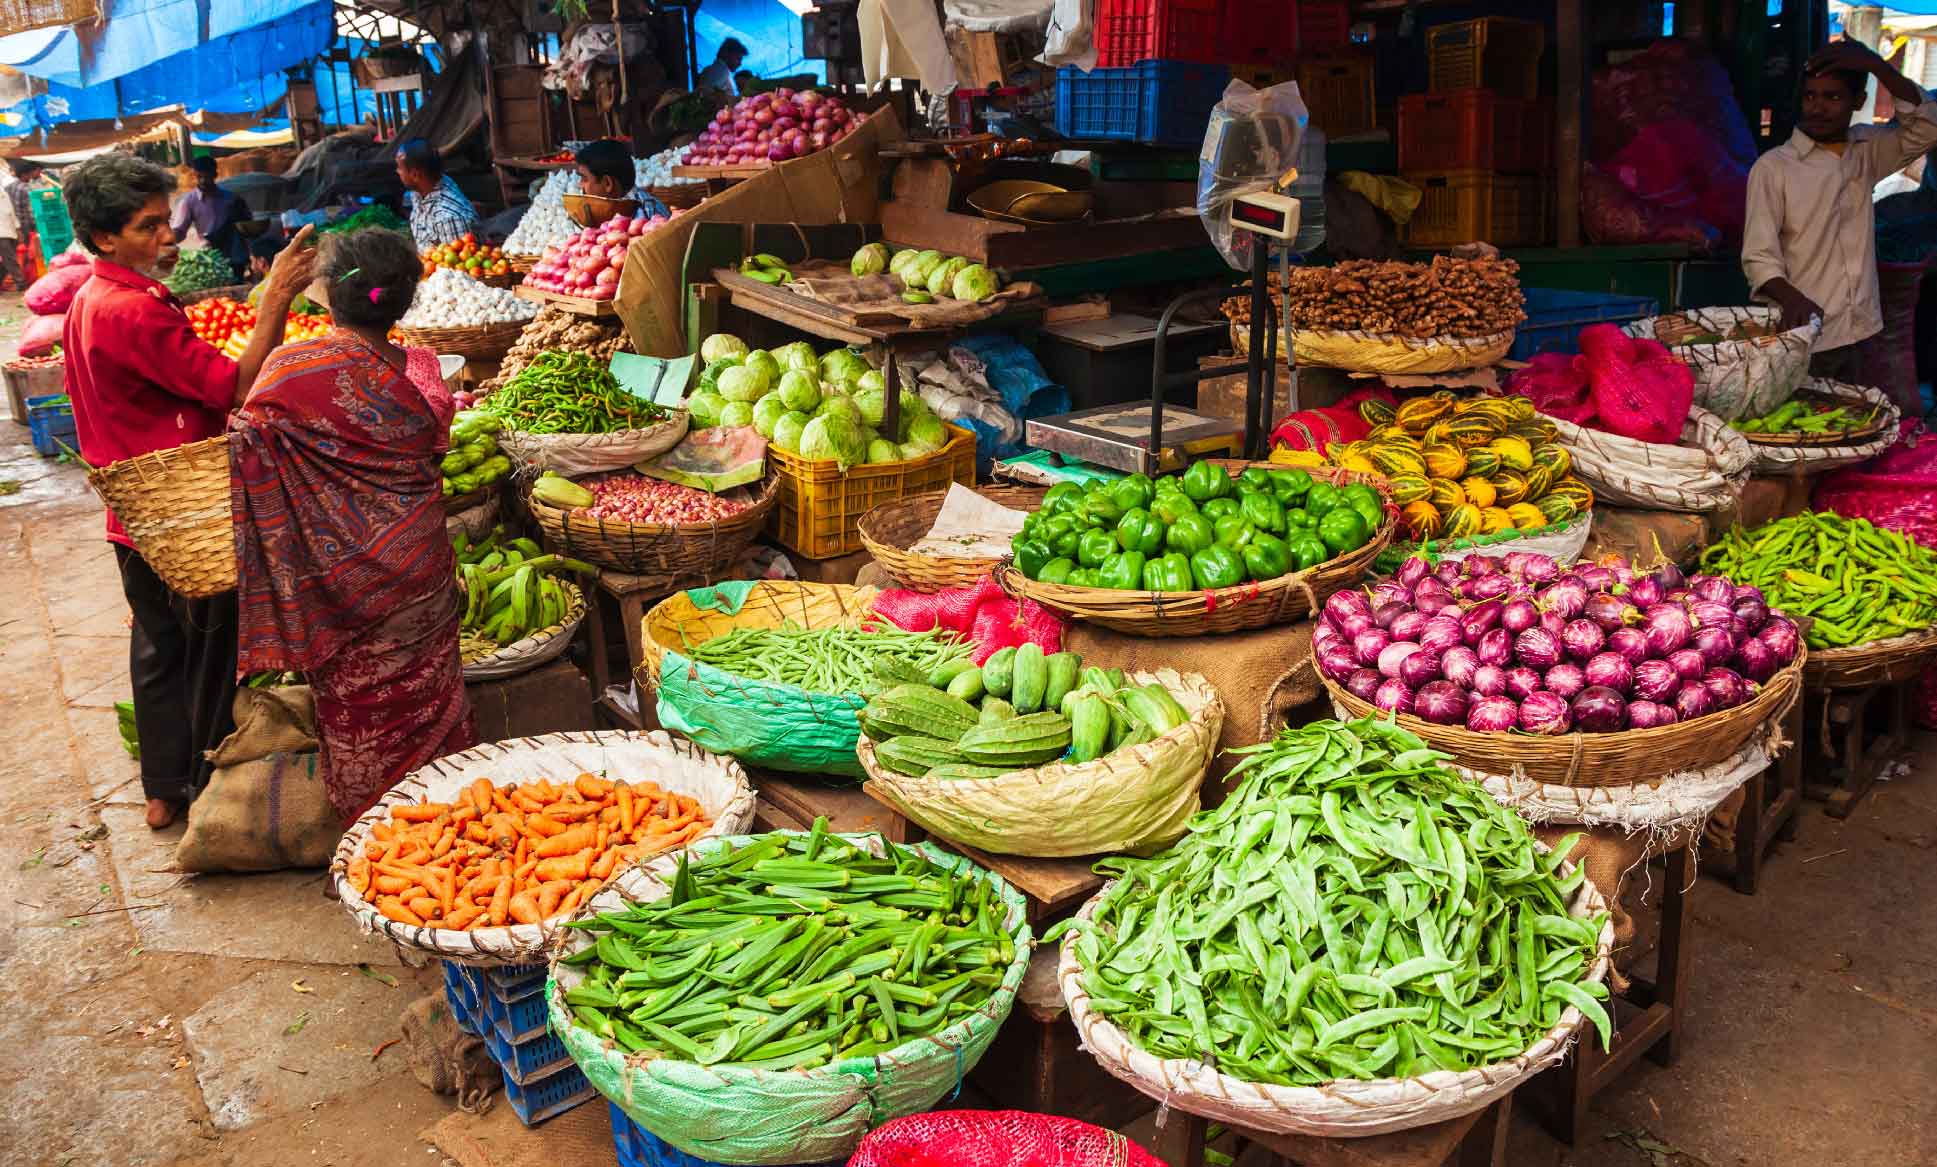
x: 450, y: 300
x: 545, y: 223
x: 772, y: 127
x: 658, y: 169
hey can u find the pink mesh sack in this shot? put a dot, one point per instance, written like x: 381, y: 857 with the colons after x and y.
x: 996, y: 1138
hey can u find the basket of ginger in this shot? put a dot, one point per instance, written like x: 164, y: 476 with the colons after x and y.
x: 479, y: 855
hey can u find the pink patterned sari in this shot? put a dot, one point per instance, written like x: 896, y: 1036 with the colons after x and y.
x: 343, y: 566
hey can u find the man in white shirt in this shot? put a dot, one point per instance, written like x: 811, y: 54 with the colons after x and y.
x: 10, y: 232
x: 719, y: 75
x: 1809, y: 243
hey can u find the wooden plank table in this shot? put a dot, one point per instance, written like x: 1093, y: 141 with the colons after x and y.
x: 598, y: 309
x: 839, y: 322
x: 791, y: 802
x: 1770, y: 802
x: 1476, y: 1140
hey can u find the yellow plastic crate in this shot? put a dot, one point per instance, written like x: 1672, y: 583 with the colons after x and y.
x: 1468, y: 206
x: 1492, y: 52
x: 820, y: 508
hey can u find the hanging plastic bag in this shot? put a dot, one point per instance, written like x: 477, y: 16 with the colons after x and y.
x: 1251, y: 140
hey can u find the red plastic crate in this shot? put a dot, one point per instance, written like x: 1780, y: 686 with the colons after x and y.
x: 1258, y: 32
x: 1128, y: 31
x: 1322, y: 26
x: 1476, y: 129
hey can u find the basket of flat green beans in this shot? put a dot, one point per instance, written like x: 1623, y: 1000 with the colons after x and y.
x: 769, y: 998
x: 1357, y: 941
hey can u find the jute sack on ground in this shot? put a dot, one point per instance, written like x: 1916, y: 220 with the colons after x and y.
x: 1261, y: 676
x: 1130, y: 799
x: 737, y: 1114
x: 265, y: 807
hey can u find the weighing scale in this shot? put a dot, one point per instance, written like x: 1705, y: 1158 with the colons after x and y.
x: 1155, y: 438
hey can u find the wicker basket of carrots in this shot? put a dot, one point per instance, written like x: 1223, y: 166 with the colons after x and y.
x: 479, y: 856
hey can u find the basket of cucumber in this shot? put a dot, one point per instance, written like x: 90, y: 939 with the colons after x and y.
x: 1039, y: 756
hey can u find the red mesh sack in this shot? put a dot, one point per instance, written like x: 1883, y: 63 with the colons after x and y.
x: 1556, y: 384
x: 1638, y: 388
x: 913, y: 611
x: 52, y: 293
x: 1894, y: 489
x: 69, y: 258
x: 956, y: 607
x: 996, y: 1138
x: 1314, y: 429
x: 41, y: 335
x: 1614, y: 215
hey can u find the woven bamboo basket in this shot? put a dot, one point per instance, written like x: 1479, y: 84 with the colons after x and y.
x: 686, y: 549
x: 719, y: 784
x: 477, y: 342
x: 522, y: 264
x: 1836, y: 393
x: 680, y: 196
x: 1598, y: 759
x: 1880, y: 662
x: 236, y: 292
x: 174, y: 504
x: 527, y: 653
x: 1346, y: 1108
x: 1248, y: 605
x: 889, y: 530
x: 456, y: 503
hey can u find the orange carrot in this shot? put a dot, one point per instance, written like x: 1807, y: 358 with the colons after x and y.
x: 420, y: 812
x: 592, y: 787
x: 393, y: 908
x: 574, y: 866
x: 576, y: 839
x: 524, y: 908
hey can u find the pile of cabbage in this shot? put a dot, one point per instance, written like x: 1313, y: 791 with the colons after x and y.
x: 825, y: 407
x: 1525, y: 643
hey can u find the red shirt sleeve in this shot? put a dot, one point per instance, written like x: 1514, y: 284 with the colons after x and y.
x: 181, y: 362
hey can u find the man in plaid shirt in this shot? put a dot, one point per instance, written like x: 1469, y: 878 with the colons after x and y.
x: 439, y: 211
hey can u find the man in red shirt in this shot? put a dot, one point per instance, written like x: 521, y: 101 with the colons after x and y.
x: 141, y: 381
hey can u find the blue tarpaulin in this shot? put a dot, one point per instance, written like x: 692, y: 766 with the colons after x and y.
x: 770, y: 32
x: 137, y: 34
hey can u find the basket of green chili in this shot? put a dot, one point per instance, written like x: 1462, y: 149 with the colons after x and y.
x: 767, y: 999
x: 567, y: 413
x: 1357, y: 941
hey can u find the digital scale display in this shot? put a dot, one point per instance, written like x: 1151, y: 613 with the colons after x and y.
x: 1269, y: 218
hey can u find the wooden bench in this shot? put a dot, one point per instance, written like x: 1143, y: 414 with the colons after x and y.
x: 632, y: 595
x: 1477, y: 1140
x: 1850, y: 737
x: 1770, y: 802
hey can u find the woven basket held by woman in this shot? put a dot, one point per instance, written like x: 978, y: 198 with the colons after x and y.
x: 342, y: 564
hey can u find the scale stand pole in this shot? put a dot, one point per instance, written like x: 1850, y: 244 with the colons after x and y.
x: 1261, y: 380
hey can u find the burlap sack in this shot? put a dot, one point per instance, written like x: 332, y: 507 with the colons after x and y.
x: 1610, y: 856
x: 265, y: 807
x: 443, y: 1058
x: 1263, y: 675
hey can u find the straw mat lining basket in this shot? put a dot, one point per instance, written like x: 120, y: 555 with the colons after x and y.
x: 527, y: 653
x: 476, y: 342
x: 1248, y: 605
x: 1878, y: 662
x: 889, y: 530
x: 174, y: 505
x: 653, y: 549
x: 1598, y: 759
x: 1340, y: 1109
x: 720, y: 785
x: 1799, y: 454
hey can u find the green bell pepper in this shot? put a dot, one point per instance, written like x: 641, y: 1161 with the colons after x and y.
x: 1290, y: 486
x: 1307, y: 550
x: 1056, y: 571
x: 1343, y: 529
x: 1140, y: 531
x: 1299, y: 517
x: 1216, y: 567
x: 1366, y: 502
x: 1322, y: 497
x: 1123, y: 572
x: 1266, y: 556
x: 1255, y: 477
x: 1204, y: 481
x: 1216, y: 508
x: 1062, y: 498
x: 1232, y: 531
x: 1064, y: 545
x: 1030, y: 555
x: 1056, y: 526
x: 1095, y: 546
x: 1032, y: 523
x: 1132, y: 493
x: 1100, y: 509
x: 1172, y: 506
x: 1263, y: 512
x: 1189, y: 534
x: 1082, y: 577
x: 1167, y: 573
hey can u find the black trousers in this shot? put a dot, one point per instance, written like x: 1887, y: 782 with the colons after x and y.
x: 182, y: 661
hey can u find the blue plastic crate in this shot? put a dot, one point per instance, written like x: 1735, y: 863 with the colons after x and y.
x: 548, y: 1097
x: 639, y: 1147
x: 526, y: 1061
x: 514, y: 982
x: 461, y: 993
x: 519, y: 1020
x: 51, y: 425
x: 1555, y: 317
x: 1166, y: 103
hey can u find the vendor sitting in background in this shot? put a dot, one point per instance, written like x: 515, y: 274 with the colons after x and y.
x: 212, y: 211
x: 605, y: 170
x: 720, y: 74
x: 1809, y: 241
x: 439, y: 212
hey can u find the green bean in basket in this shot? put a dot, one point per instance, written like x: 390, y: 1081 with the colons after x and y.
x: 830, y: 660
x: 792, y: 951
x: 1354, y: 910
x: 569, y: 393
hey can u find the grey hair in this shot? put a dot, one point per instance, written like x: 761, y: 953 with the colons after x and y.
x: 108, y: 190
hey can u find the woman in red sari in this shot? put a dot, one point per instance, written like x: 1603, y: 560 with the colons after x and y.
x: 344, y: 569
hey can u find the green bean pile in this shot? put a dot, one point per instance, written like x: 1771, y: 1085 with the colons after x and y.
x: 569, y: 393
x: 830, y: 660
x: 794, y: 951
x: 1353, y: 911
x: 1856, y: 582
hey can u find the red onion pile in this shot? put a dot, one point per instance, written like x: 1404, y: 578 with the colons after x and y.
x: 634, y: 498
x: 772, y: 127
x: 589, y: 263
x: 1522, y: 642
